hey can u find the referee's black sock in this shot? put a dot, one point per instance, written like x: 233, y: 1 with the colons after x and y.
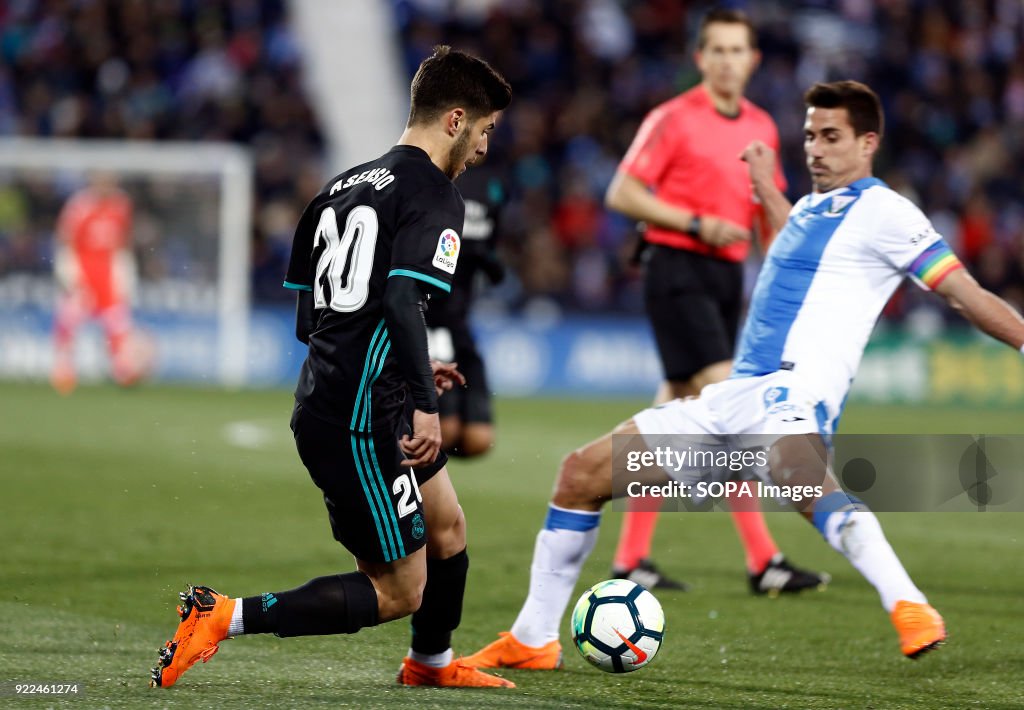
x: 441, y: 610
x: 338, y: 604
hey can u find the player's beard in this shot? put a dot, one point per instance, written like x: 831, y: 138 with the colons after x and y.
x: 458, y: 154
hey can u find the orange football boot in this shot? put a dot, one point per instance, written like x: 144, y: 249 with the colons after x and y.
x: 455, y: 675
x: 920, y: 627
x: 509, y: 652
x: 205, y: 620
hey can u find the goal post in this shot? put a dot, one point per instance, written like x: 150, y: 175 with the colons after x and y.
x: 185, y: 166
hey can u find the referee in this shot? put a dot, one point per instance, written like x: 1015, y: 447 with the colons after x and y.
x: 684, y: 178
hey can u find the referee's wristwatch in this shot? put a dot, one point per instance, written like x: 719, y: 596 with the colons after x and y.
x: 694, y: 227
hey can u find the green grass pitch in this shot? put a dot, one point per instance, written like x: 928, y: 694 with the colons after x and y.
x: 113, y: 500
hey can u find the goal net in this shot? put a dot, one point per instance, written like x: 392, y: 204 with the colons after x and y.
x: 191, y: 231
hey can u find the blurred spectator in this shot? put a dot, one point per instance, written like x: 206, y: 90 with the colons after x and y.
x: 950, y: 73
x: 585, y: 72
x: 225, y: 70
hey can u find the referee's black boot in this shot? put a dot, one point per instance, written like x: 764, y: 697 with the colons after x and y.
x: 781, y: 577
x: 647, y: 575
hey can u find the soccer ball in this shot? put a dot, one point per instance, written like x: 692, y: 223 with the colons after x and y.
x: 617, y: 625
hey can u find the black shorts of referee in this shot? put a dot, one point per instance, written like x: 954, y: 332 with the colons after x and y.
x: 694, y: 303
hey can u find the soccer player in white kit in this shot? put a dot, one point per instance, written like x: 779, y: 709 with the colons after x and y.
x: 828, y: 274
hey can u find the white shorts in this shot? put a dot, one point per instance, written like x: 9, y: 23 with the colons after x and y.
x: 739, y: 413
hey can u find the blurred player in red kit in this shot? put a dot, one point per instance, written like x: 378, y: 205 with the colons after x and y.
x: 95, y: 270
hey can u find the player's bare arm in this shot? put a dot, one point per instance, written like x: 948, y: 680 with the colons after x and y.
x: 761, y: 159
x: 718, y: 232
x: 633, y: 198
x: 986, y: 311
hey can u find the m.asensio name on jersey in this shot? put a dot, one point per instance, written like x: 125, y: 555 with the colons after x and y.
x: 378, y: 177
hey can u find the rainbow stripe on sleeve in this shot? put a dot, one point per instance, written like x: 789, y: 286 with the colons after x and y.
x: 934, y: 264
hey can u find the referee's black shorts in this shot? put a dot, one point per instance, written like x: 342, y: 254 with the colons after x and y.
x: 694, y: 303
x: 472, y: 402
x: 374, y: 505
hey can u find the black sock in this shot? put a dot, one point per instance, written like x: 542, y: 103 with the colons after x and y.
x: 339, y: 604
x: 441, y: 610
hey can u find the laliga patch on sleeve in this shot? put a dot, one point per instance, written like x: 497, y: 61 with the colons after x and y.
x: 447, y: 254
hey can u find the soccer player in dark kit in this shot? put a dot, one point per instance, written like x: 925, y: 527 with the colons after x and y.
x: 467, y: 419
x: 369, y: 251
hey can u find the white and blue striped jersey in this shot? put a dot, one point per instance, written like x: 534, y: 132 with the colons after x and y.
x: 825, y: 280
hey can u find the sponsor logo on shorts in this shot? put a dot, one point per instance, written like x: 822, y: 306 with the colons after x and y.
x: 418, y: 528
x: 774, y: 395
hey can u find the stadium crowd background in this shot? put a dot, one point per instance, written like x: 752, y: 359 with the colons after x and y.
x: 950, y: 73
x: 219, y: 70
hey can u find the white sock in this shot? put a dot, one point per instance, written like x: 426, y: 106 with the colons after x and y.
x: 857, y: 535
x: 236, y: 628
x: 434, y: 660
x: 562, y: 547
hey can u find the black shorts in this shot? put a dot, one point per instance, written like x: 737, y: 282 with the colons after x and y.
x: 694, y: 303
x: 375, y: 507
x: 471, y: 403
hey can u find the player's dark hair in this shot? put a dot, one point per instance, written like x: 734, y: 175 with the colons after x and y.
x: 725, y: 16
x: 861, y: 103
x: 448, y: 79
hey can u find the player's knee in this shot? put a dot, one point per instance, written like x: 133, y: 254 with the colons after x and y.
x: 576, y: 481
x: 801, y: 461
x: 450, y: 537
x: 411, y: 601
x: 451, y: 432
x: 456, y: 536
x: 477, y: 440
x: 400, y: 600
x: 401, y: 606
